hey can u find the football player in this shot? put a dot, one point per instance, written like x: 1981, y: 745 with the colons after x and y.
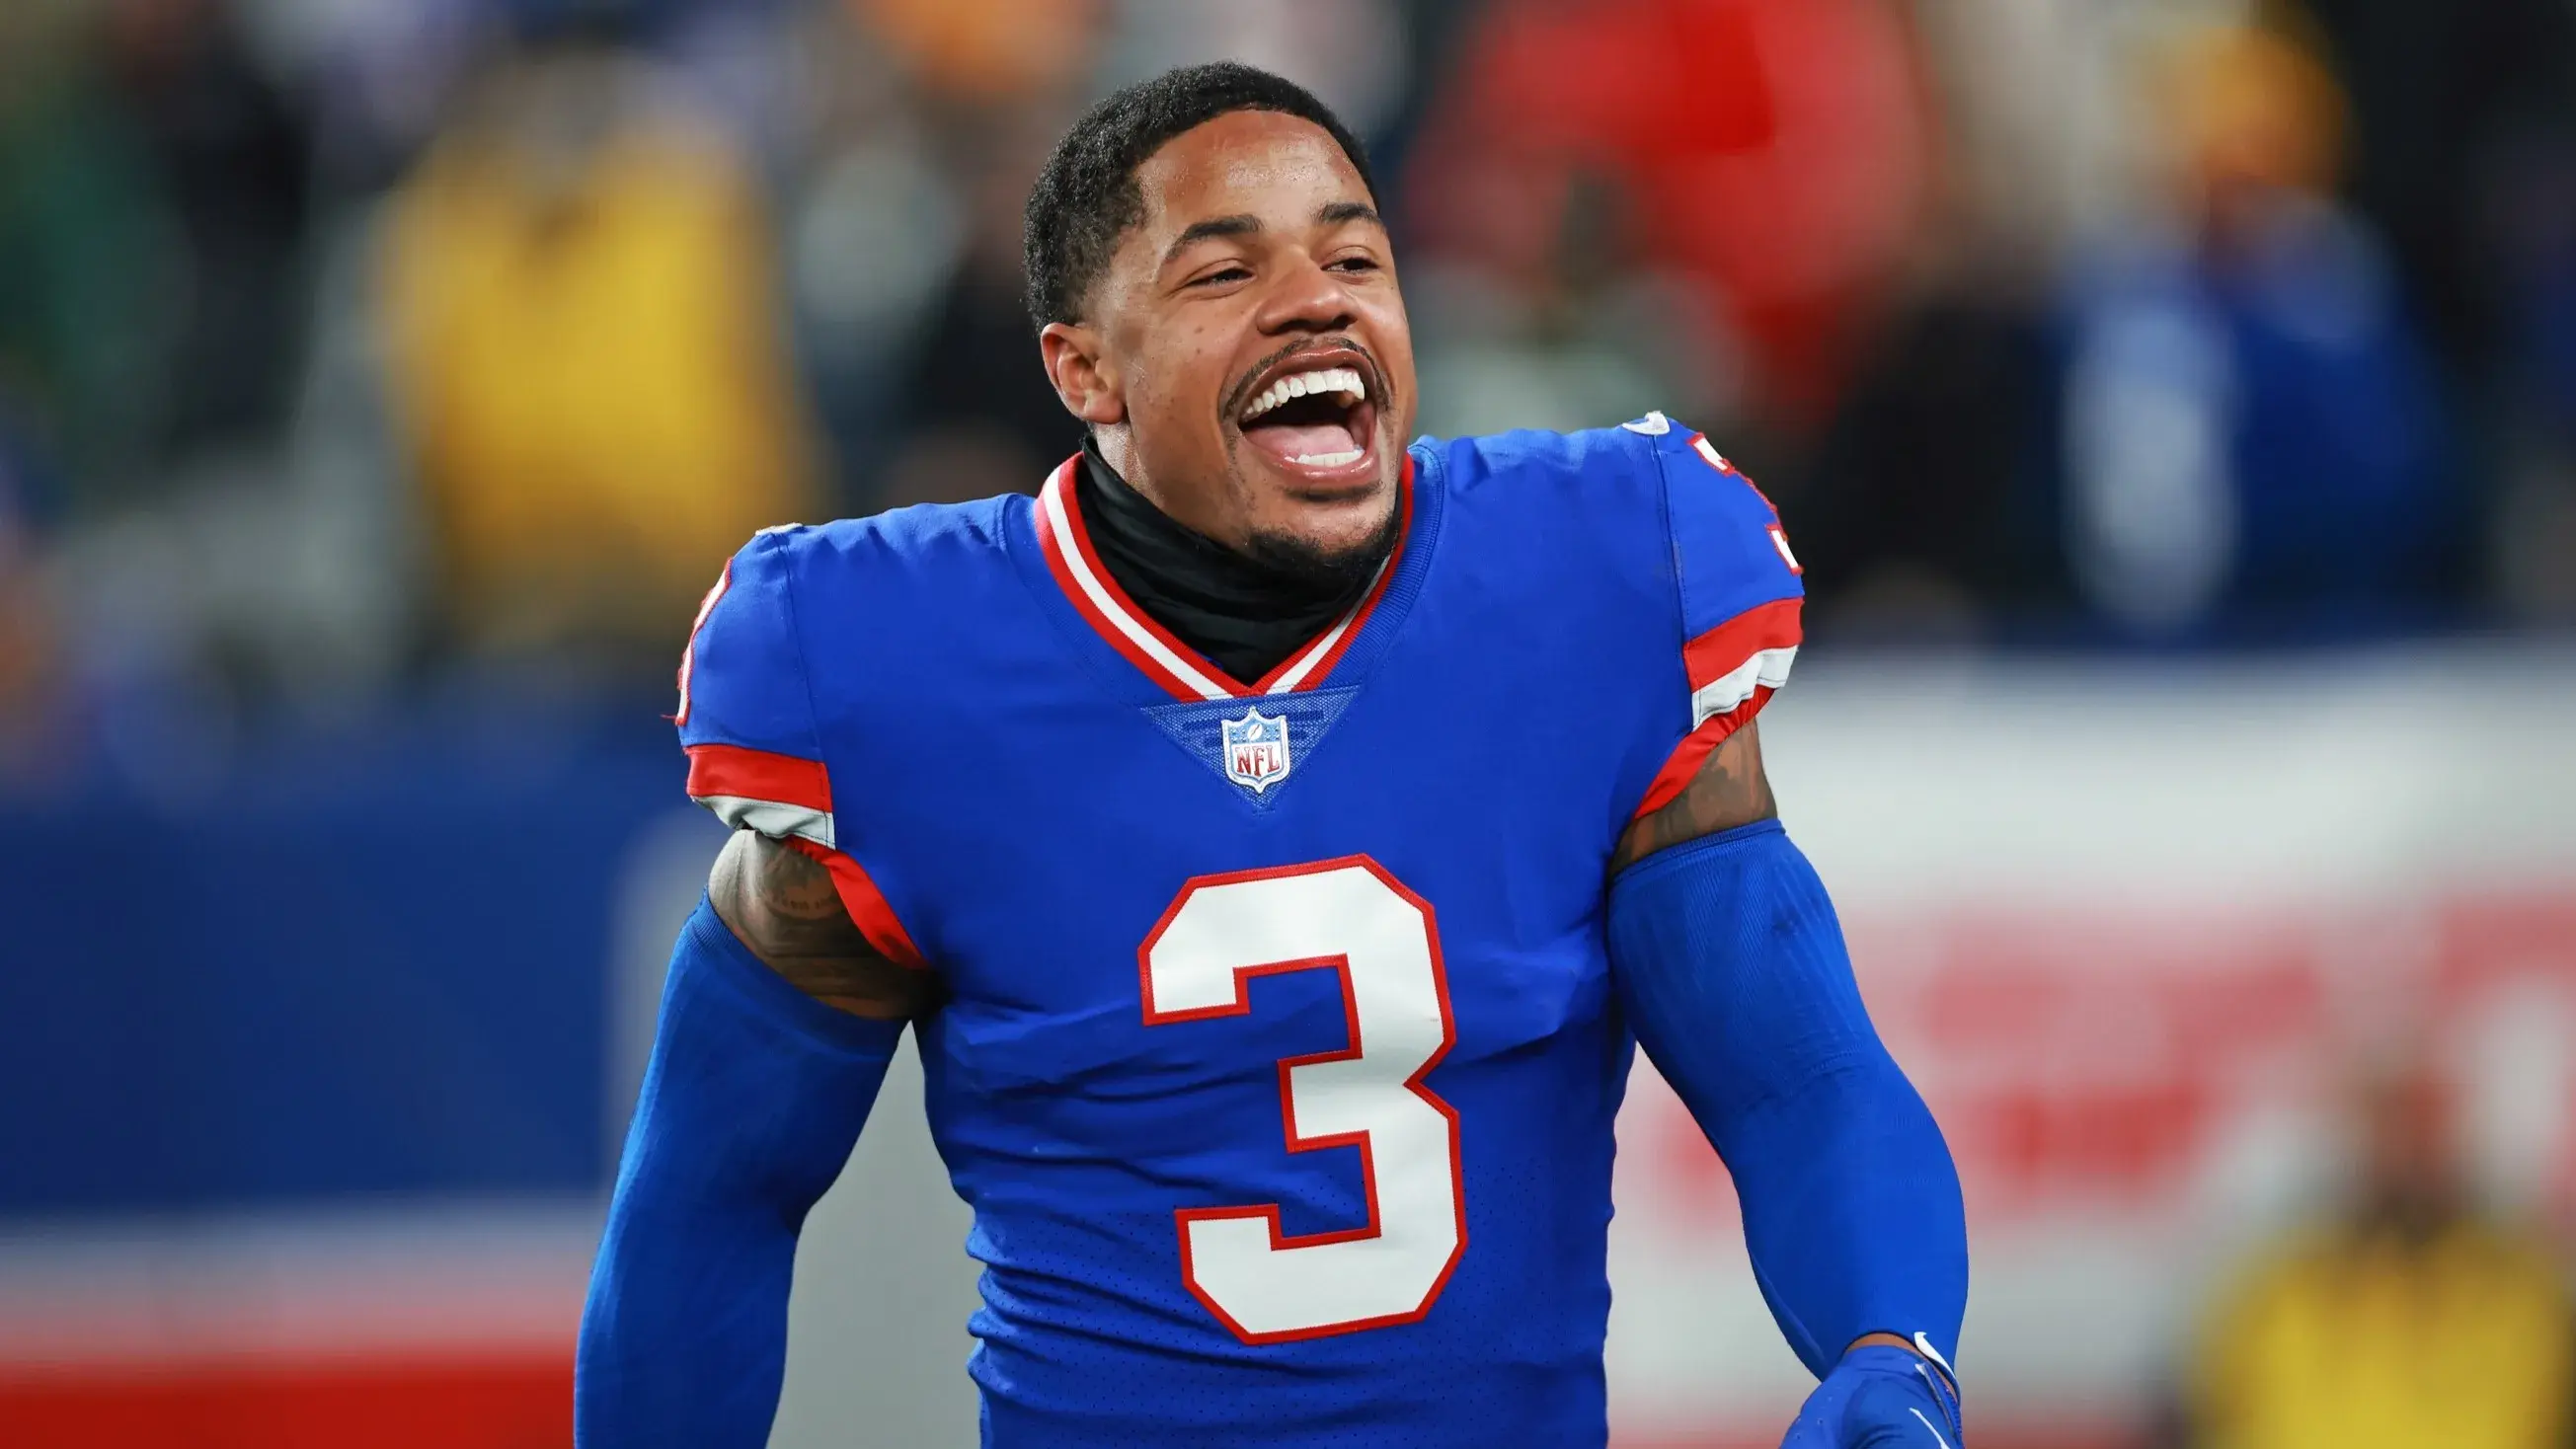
x: 1278, y: 839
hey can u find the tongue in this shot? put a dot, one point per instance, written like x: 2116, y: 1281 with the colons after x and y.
x: 1302, y: 440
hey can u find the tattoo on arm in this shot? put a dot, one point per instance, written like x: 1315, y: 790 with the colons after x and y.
x: 1729, y: 790
x: 785, y: 908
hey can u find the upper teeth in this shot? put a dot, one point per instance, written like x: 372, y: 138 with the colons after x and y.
x: 1299, y: 384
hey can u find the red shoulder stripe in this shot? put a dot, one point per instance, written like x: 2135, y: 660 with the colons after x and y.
x: 758, y: 775
x: 1722, y: 650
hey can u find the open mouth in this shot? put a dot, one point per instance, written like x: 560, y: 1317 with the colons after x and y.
x: 1316, y: 417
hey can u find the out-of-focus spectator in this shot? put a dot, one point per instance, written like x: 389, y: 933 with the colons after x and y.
x: 1586, y: 335
x: 232, y: 155
x: 582, y: 303
x: 2443, y: 96
x: 873, y: 231
x: 2535, y: 514
x: 380, y: 77
x: 1909, y: 514
x: 1354, y: 54
x: 1914, y: 509
x: 997, y: 50
x: 979, y: 413
x: 91, y: 269
x: 2465, y: 124
x: 2409, y: 1321
x: 2039, y: 136
x: 1772, y: 149
x: 152, y: 219
x: 2249, y: 426
x: 992, y: 86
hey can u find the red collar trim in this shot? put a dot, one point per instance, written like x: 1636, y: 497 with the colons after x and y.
x: 1065, y: 541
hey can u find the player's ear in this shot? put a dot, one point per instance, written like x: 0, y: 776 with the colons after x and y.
x: 1074, y: 364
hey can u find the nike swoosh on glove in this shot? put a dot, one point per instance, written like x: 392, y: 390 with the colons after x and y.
x: 1879, y: 1397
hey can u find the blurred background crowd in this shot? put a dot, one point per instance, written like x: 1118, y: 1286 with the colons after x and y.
x: 343, y: 344
x: 375, y: 369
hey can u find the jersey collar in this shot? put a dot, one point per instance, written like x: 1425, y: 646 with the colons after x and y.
x: 1065, y: 541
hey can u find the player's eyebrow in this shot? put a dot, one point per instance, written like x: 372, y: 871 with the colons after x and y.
x: 1242, y: 223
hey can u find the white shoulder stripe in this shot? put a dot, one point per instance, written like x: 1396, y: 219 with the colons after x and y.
x: 1767, y: 669
x: 772, y: 818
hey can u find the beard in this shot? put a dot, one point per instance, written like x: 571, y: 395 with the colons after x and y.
x: 1327, y: 571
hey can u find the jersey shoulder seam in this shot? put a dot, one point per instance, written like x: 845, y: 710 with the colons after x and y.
x: 777, y: 539
x: 1671, y: 544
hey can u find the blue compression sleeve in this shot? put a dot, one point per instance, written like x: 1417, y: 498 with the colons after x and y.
x: 1731, y: 967
x: 755, y: 1095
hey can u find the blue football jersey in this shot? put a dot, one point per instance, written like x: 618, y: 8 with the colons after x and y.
x: 1279, y: 1058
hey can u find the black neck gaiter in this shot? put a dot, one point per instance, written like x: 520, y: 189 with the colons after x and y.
x: 1245, y: 615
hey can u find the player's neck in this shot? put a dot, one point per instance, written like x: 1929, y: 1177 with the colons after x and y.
x: 1244, y: 614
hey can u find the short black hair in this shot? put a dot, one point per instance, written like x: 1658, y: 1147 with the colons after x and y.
x: 1087, y: 195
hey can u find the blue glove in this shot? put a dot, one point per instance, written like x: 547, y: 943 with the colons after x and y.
x: 1879, y: 1397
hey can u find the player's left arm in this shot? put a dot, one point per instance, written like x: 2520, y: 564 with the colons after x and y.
x: 1730, y: 966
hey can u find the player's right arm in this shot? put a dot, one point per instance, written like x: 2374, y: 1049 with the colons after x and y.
x: 782, y: 903
x: 764, y: 1066
x: 787, y: 995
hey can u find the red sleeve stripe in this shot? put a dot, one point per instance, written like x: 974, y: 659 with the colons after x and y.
x: 1746, y: 656
x: 731, y: 770
x: 1733, y: 669
x: 867, y: 905
x: 777, y: 795
x: 789, y: 799
x: 1723, y: 650
x: 1694, y: 751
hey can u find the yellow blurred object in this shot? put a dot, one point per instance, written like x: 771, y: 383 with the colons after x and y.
x: 2253, y: 105
x: 597, y: 394
x: 2357, y: 1341
x: 991, y: 49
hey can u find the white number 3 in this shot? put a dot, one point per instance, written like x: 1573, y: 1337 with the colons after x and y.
x: 1351, y: 917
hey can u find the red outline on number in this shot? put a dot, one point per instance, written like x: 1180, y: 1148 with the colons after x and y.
x: 1242, y: 1006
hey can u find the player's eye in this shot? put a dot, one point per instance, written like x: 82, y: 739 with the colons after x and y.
x: 1354, y: 264
x: 1224, y: 274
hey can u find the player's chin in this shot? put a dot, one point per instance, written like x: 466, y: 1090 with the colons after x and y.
x: 1342, y: 517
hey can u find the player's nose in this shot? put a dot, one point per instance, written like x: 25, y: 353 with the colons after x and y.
x: 1304, y: 297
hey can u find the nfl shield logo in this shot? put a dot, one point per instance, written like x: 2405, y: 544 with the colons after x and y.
x: 1256, y: 749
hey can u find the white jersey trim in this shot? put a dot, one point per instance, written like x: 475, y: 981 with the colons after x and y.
x: 772, y: 818
x: 1766, y: 669
x: 1052, y: 499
